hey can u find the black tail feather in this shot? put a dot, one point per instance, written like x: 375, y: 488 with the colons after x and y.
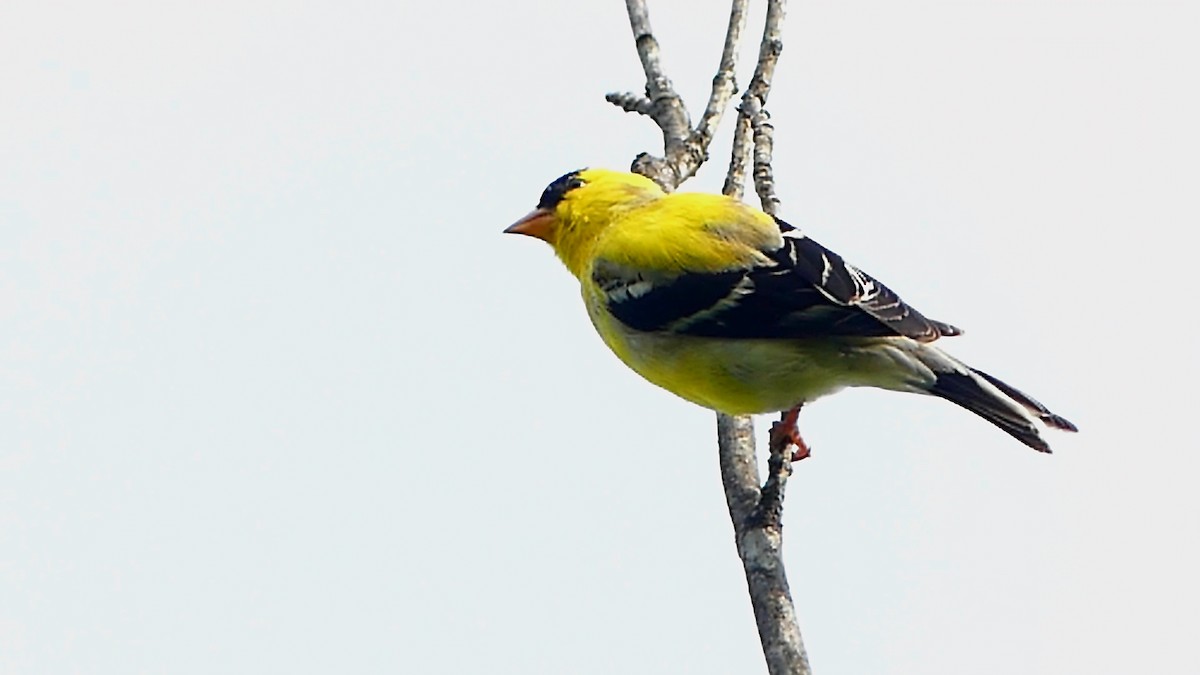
x: 1037, y: 409
x: 968, y: 391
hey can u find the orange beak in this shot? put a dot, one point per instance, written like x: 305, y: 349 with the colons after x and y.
x: 537, y: 223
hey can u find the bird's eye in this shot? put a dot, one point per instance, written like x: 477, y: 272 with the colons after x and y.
x: 554, y: 192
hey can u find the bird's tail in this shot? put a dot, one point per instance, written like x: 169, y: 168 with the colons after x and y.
x: 997, y: 402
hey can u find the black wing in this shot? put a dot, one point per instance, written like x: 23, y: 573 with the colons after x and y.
x: 805, y: 291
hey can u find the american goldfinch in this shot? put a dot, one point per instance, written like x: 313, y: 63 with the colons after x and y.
x: 737, y: 311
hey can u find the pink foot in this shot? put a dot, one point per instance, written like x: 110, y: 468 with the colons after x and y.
x: 785, y: 433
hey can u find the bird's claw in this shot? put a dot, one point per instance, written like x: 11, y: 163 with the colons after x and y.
x: 785, y: 433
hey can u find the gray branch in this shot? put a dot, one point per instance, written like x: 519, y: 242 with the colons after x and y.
x: 724, y: 83
x: 764, y: 145
x: 684, y: 148
x: 631, y: 102
x: 735, y: 178
x: 768, y: 52
x: 756, y: 512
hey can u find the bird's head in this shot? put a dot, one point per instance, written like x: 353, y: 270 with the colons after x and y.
x: 575, y: 209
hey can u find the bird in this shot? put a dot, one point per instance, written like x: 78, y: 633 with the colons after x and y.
x: 738, y: 311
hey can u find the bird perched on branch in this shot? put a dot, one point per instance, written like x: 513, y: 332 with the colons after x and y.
x: 737, y: 311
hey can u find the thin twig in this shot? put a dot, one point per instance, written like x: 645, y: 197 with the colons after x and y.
x: 631, y: 102
x: 666, y: 107
x: 768, y: 52
x: 764, y: 146
x: 752, y: 113
x: 684, y: 148
x: 735, y: 178
x: 725, y: 81
x: 671, y: 115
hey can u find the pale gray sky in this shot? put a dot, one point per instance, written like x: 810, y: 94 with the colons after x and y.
x: 277, y: 396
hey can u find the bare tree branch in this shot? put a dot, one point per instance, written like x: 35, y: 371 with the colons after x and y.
x: 754, y: 100
x: 760, y: 533
x: 738, y: 469
x: 754, y: 103
x: 768, y: 52
x: 670, y: 113
x: 684, y: 148
x: 735, y: 178
x: 756, y: 512
x: 666, y: 107
x: 724, y: 82
x: 764, y: 146
x: 631, y: 102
